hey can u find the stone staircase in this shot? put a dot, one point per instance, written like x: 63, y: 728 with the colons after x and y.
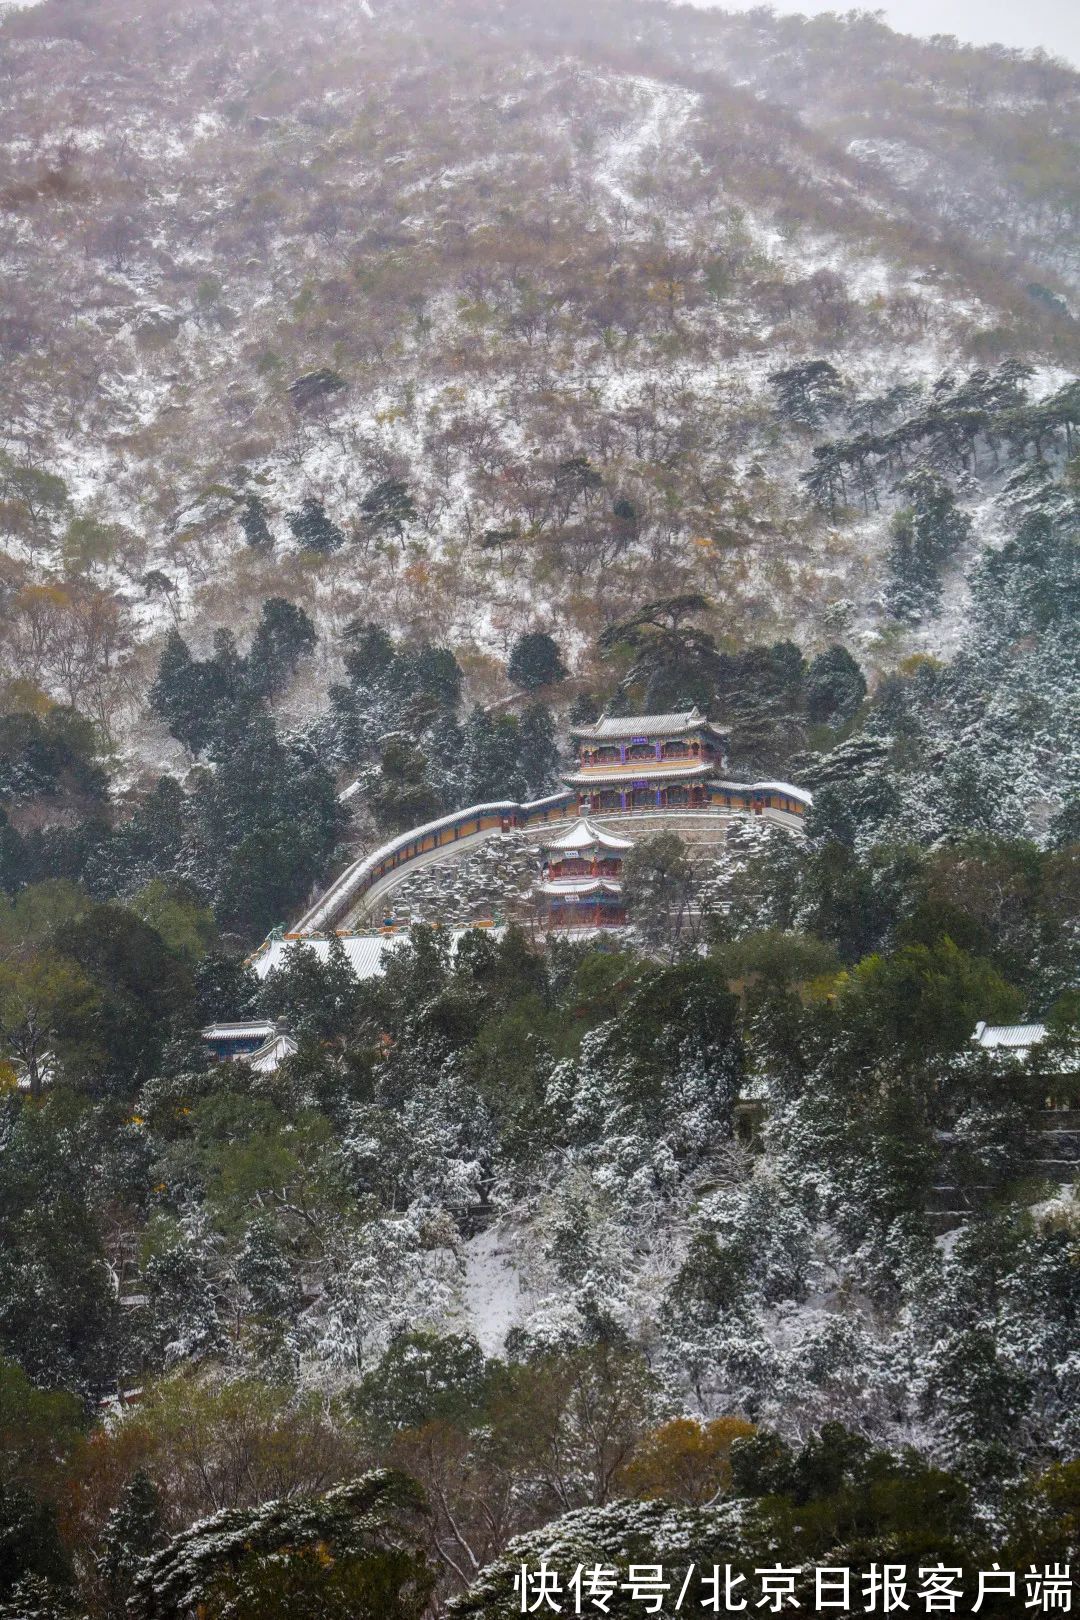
x: 1054, y: 1158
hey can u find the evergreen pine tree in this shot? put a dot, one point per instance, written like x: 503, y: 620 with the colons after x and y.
x: 178, y: 695
x: 535, y: 662
x: 807, y: 392
x: 760, y: 691
x: 257, y: 888
x: 365, y: 707
x: 369, y: 653
x: 264, y: 1273
x: 30, y: 1545
x: 388, y: 507
x: 284, y: 636
x: 317, y: 997
x: 491, y: 759
x: 227, y: 694
x: 34, y: 1598
x: 429, y: 682
x: 133, y: 1530
x: 403, y: 794
x: 253, y: 521
x: 225, y: 672
x: 225, y: 987
x: 659, y: 890
x: 353, y: 1551
x: 263, y: 825
x: 313, y: 529
x: 152, y: 843
x: 926, y: 535
x: 584, y: 709
x: 14, y: 863
x: 197, y: 698
x: 181, y: 1321
x: 835, y: 686
x: 539, y: 750
x: 59, y: 1313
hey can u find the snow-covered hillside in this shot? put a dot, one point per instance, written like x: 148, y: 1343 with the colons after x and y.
x: 532, y: 282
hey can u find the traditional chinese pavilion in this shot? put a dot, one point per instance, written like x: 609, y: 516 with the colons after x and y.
x: 581, y: 878
x: 263, y: 1044
x: 646, y: 762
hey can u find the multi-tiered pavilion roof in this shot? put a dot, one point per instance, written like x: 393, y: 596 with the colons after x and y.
x: 581, y: 881
x: 621, y: 758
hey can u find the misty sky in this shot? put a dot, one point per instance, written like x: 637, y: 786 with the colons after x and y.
x: 1053, y: 24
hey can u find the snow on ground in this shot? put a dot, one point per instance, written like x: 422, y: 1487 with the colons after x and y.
x: 149, y: 389
x: 665, y: 112
x: 1061, y: 1206
x: 492, y: 1297
x: 905, y: 162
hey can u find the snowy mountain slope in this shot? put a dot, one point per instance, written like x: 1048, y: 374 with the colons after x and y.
x: 296, y: 252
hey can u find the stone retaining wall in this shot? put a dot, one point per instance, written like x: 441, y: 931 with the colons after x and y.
x: 493, y: 879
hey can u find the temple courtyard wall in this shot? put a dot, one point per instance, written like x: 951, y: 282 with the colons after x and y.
x: 491, y: 875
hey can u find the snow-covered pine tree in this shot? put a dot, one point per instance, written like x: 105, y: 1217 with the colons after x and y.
x: 313, y: 530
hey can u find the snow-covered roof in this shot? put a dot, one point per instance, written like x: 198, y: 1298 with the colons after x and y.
x: 273, y: 1053
x: 617, y: 727
x: 272, y: 1043
x: 1016, y: 1037
x: 769, y: 787
x: 784, y: 787
x: 254, y: 1029
x: 365, y: 953
x: 556, y: 887
x: 645, y: 770
x: 583, y: 835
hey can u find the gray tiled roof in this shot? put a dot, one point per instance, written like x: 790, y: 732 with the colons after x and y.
x: 365, y: 953
x: 583, y: 835
x: 616, y: 728
x: 240, y: 1031
x: 1011, y: 1035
